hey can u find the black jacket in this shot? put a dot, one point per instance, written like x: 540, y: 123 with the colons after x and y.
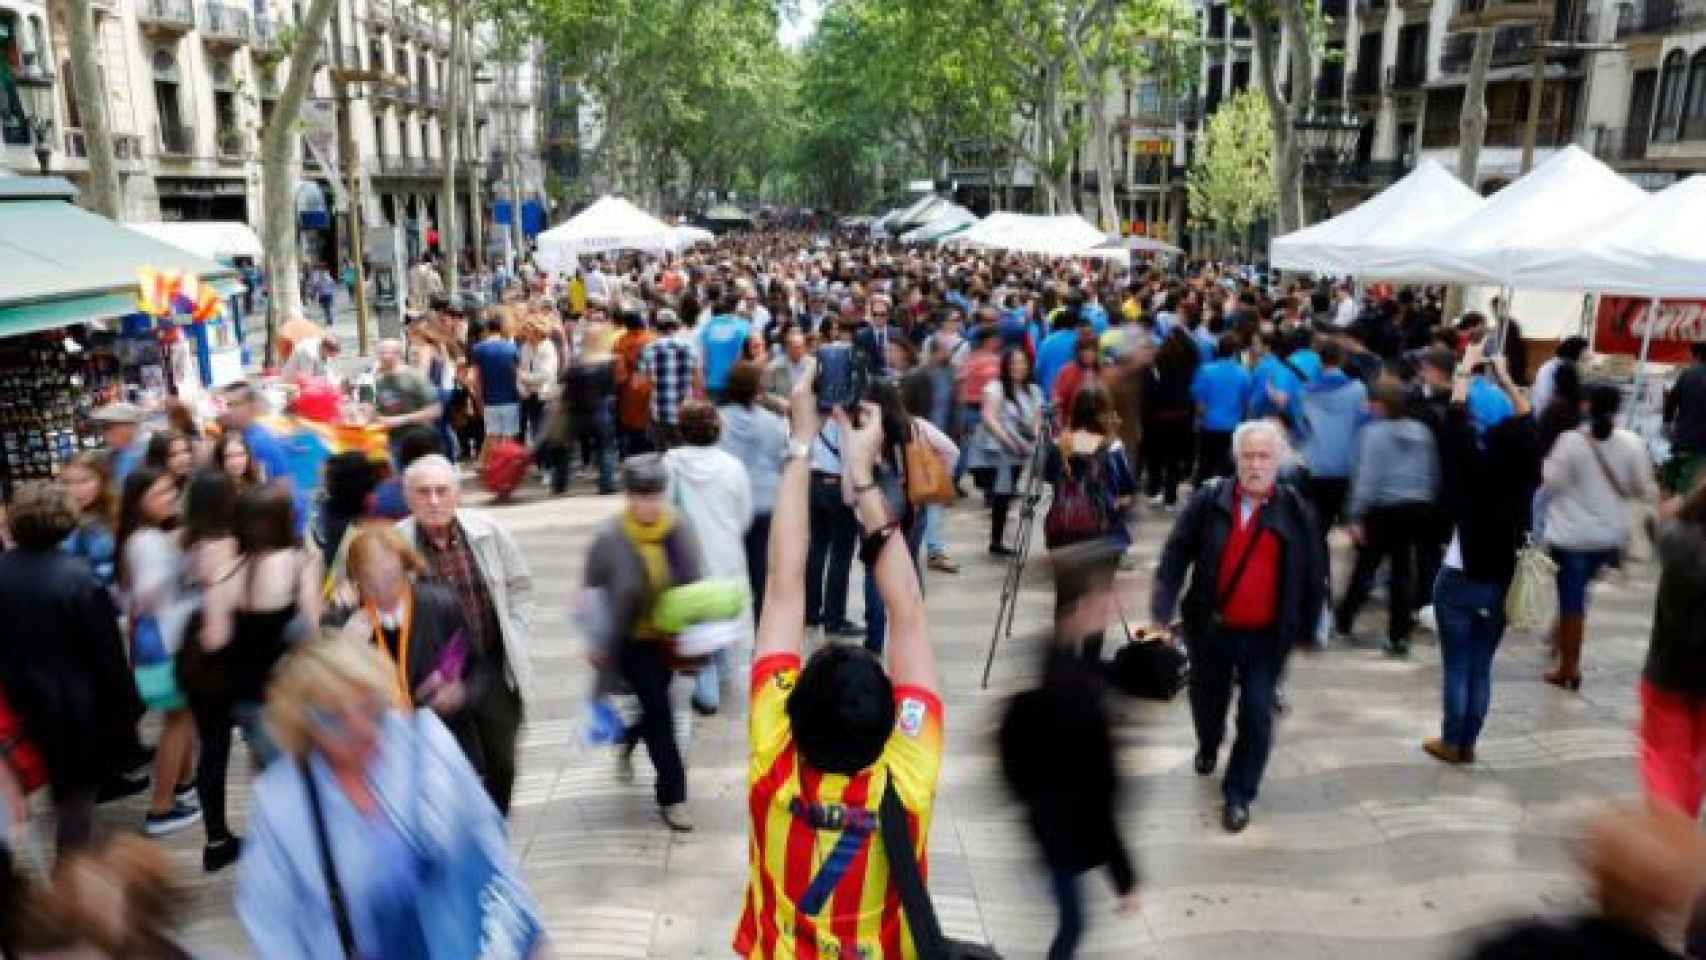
x: 1685, y: 408
x: 1058, y: 757
x: 63, y: 666
x: 1676, y: 655
x: 1197, y: 542
x: 1488, y: 493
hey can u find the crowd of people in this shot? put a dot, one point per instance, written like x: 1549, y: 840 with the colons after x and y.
x: 772, y: 410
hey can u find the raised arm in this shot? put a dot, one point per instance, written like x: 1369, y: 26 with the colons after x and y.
x: 912, y: 661
x: 782, y: 621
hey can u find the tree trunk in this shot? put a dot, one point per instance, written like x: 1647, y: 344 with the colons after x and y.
x: 1302, y: 84
x: 1472, y: 122
x: 1288, y: 163
x: 106, y: 193
x: 447, y: 226
x: 278, y: 178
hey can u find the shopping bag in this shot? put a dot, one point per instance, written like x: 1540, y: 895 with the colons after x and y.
x: 16, y: 751
x: 1532, y: 600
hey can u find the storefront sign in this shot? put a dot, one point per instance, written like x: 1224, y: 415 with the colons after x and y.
x: 1621, y: 323
x: 1152, y: 147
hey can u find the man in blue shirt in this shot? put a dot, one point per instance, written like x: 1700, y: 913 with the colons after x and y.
x: 495, y: 361
x: 1221, y: 390
x: 242, y: 407
x: 1093, y: 311
x: 1058, y: 349
x: 1303, y: 356
x: 121, y: 433
x: 1273, y: 378
x: 720, y: 343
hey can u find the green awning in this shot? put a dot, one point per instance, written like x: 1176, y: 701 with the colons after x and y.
x: 62, y: 265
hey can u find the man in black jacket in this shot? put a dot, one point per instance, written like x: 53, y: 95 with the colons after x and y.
x: 1258, y: 580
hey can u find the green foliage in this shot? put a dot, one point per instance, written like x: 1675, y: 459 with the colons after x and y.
x: 1231, y: 183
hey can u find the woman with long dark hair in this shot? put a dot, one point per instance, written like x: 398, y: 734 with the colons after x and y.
x: 232, y: 456
x: 171, y: 452
x: 1169, y: 411
x: 1588, y: 475
x: 150, y: 577
x: 1009, y: 429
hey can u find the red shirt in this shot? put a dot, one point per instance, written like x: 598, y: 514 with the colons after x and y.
x: 1254, y: 604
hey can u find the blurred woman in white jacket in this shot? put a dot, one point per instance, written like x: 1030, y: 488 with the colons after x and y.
x: 710, y: 487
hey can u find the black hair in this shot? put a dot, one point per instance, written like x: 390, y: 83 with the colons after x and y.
x: 1226, y: 346
x: 1697, y: 350
x: 842, y: 709
x: 493, y: 325
x: 210, y: 506
x: 350, y: 477
x: 266, y: 519
x: 1332, y: 354
x: 1572, y: 347
x: 130, y: 519
x: 415, y: 441
x: 1604, y: 399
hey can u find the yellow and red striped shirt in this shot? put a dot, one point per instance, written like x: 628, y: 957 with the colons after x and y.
x: 820, y: 885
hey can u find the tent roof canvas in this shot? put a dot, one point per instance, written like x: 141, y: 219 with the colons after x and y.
x: 611, y: 223
x: 1371, y: 239
x: 1056, y: 236
x: 727, y: 212
x: 951, y: 218
x: 214, y: 239
x: 1651, y: 249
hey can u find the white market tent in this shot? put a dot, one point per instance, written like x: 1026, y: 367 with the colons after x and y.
x: 611, y: 223
x: 880, y: 227
x: 1375, y: 239
x: 952, y: 219
x: 922, y: 211
x: 1652, y: 249
x: 218, y: 240
x: 1542, y: 218
x: 1058, y: 236
x: 684, y: 236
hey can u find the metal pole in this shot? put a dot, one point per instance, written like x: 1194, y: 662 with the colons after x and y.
x: 1536, y: 90
x: 352, y: 173
x: 518, y: 236
x: 1641, y: 362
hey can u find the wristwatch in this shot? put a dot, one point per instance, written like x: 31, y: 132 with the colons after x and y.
x: 797, y: 450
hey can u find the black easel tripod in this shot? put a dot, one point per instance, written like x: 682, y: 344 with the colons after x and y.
x: 1022, y: 547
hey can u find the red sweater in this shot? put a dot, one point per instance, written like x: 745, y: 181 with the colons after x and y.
x: 1254, y: 605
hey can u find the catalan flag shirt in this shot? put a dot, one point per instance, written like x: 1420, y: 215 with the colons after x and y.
x: 819, y: 888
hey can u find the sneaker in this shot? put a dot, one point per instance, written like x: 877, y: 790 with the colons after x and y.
x: 121, y: 786
x: 173, y: 820
x: 1156, y: 500
x: 185, y: 796
x: 219, y: 854
x: 676, y: 817
x: 624, y: 764
x: 943, y: 563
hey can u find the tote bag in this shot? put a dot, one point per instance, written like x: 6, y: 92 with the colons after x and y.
x: 1532, y: 600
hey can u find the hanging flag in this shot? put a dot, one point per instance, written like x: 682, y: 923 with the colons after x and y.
x: 207, y: 303
x: 159, y: 288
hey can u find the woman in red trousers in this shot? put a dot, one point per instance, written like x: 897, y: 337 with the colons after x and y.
x: 1673, y: 684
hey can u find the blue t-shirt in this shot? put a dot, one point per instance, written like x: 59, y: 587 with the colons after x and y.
x: 1053, y: 356
x: 1308, y: 362
x: 1272, y: 372
x: 1488, y: 406
x: 497, y: 359
x: 276, y: 463
x: 1222, y: 389
x: 1206, y: 344
x: 720, y: 343
x: 1097, y: 315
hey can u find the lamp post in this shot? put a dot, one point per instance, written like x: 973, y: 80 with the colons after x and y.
x: 39, y: 102
x: 1328, y: 144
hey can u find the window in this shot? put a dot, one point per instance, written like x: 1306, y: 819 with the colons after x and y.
x: 13, y: 127
x: 1670, y: 97
x: 73, y: 118
x: 1694, y: 103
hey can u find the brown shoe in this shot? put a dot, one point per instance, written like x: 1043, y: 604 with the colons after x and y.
x: 1568, y: 675
x: 943, y: 563
x: 1443, y: 752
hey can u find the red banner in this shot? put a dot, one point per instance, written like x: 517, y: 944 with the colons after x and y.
x: 1622, y: 321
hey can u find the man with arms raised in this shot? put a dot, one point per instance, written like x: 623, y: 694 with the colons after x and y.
x: 829, y: 739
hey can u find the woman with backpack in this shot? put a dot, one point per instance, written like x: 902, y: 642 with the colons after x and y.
x: 1093, y: 487
x: 1588, y: 475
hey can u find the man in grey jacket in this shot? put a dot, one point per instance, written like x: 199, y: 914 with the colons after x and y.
x: 1394, y: 489
x: 467, y: 553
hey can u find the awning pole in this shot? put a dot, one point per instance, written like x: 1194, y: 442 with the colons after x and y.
x: 1641, y: 362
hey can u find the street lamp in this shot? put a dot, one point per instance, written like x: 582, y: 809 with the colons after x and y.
x: 1327, y: 145
x: 38, y: 103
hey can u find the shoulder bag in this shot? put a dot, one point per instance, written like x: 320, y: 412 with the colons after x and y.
x: 927, y: 479
x: 927, y: 938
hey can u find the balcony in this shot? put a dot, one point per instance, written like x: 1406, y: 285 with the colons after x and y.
x: 175, y: 140
x: 32, y: 72
x: 169, y: 17
x: 1330, y: 85
x: 394, y: 165
x: 430, y: 100
x: 349, y: 57
x: 1637, y: 17
x: 1510, y: 48
x: 377, y: 19
x: 1620, y: 144
x: 231, y: 145
x: 1504, y: 132
x: 266, y: 43
x: 223, y: 25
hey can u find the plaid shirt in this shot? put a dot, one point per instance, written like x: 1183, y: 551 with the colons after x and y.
x: 454, y: 567
x: 670, y: 363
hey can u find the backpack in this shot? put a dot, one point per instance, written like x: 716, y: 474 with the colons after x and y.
x: 506, y: 466
x: 1079, y: 511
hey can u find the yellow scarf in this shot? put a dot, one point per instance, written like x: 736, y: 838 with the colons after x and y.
x: 647, y: 539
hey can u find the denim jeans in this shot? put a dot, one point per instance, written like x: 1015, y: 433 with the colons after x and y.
x: 594, y: 434
x: 707, y: 690
x: 1471, y: 618
x: 969, y: 415
x: 1214, y: 662
x: 1576, y: 569
x: 934, y: 545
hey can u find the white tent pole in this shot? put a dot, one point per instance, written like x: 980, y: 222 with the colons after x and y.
x: 1641, y: 362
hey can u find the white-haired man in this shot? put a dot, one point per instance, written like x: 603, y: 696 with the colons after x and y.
x: 467, y: 553
x: 1257, y: 581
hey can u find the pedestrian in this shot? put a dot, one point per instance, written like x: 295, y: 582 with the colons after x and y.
x: 1568, y: 354
x: 73, y: 697
x: 1010, y: 427
x: 495, y: 360
x: 721, y: 341
x: 1084, y: 370
x: 926, y: 400
x: 758, y: 438
x: 980, y: 367
x: 1221, y: 389
x: 1673, y: 694
x: 324, y: 290
x: 1257, y: 583
x: 434, y: 357
x: 402, y: 396
x: 272, y: 462
x: 635, y: 558
x: 1170, y: 410
x: 710, y: 490
x: 474, y: 558
x: 231, y: 457
x: 1685, y: 414
x: 170, y: 452
x: 1589, y: 474
x: 900, y: 428
x: 838, y: 746
x: 374, y: 816
x: 1487, y: 486
x: 833, y: 538
x: 121, y: 438
x: 785, y: 368
x: 589, y: 396
x: 633, y: 386
x: 671, y: 366
x: 537, y: 375
x: 1057, y: 752
x: 150, y: 577
x: 85, y: 478
x: 1390, y: 509
x: 1094, y: 487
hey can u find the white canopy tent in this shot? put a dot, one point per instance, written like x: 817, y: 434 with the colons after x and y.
x: 920, y: 212
x: 952, y: 219
x: 217, y: 240
x: 684, y: 236
x: 1058, y: 236
x: 611, y: 223
x: 1652, y: 249
x: 1375, y: 239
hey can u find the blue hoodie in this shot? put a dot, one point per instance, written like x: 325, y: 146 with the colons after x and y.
x: 1055, y: 352
x: 1221, y: 389
x: 1272, y: 371
x: 1335, y: 407
x: 1488, y: 405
